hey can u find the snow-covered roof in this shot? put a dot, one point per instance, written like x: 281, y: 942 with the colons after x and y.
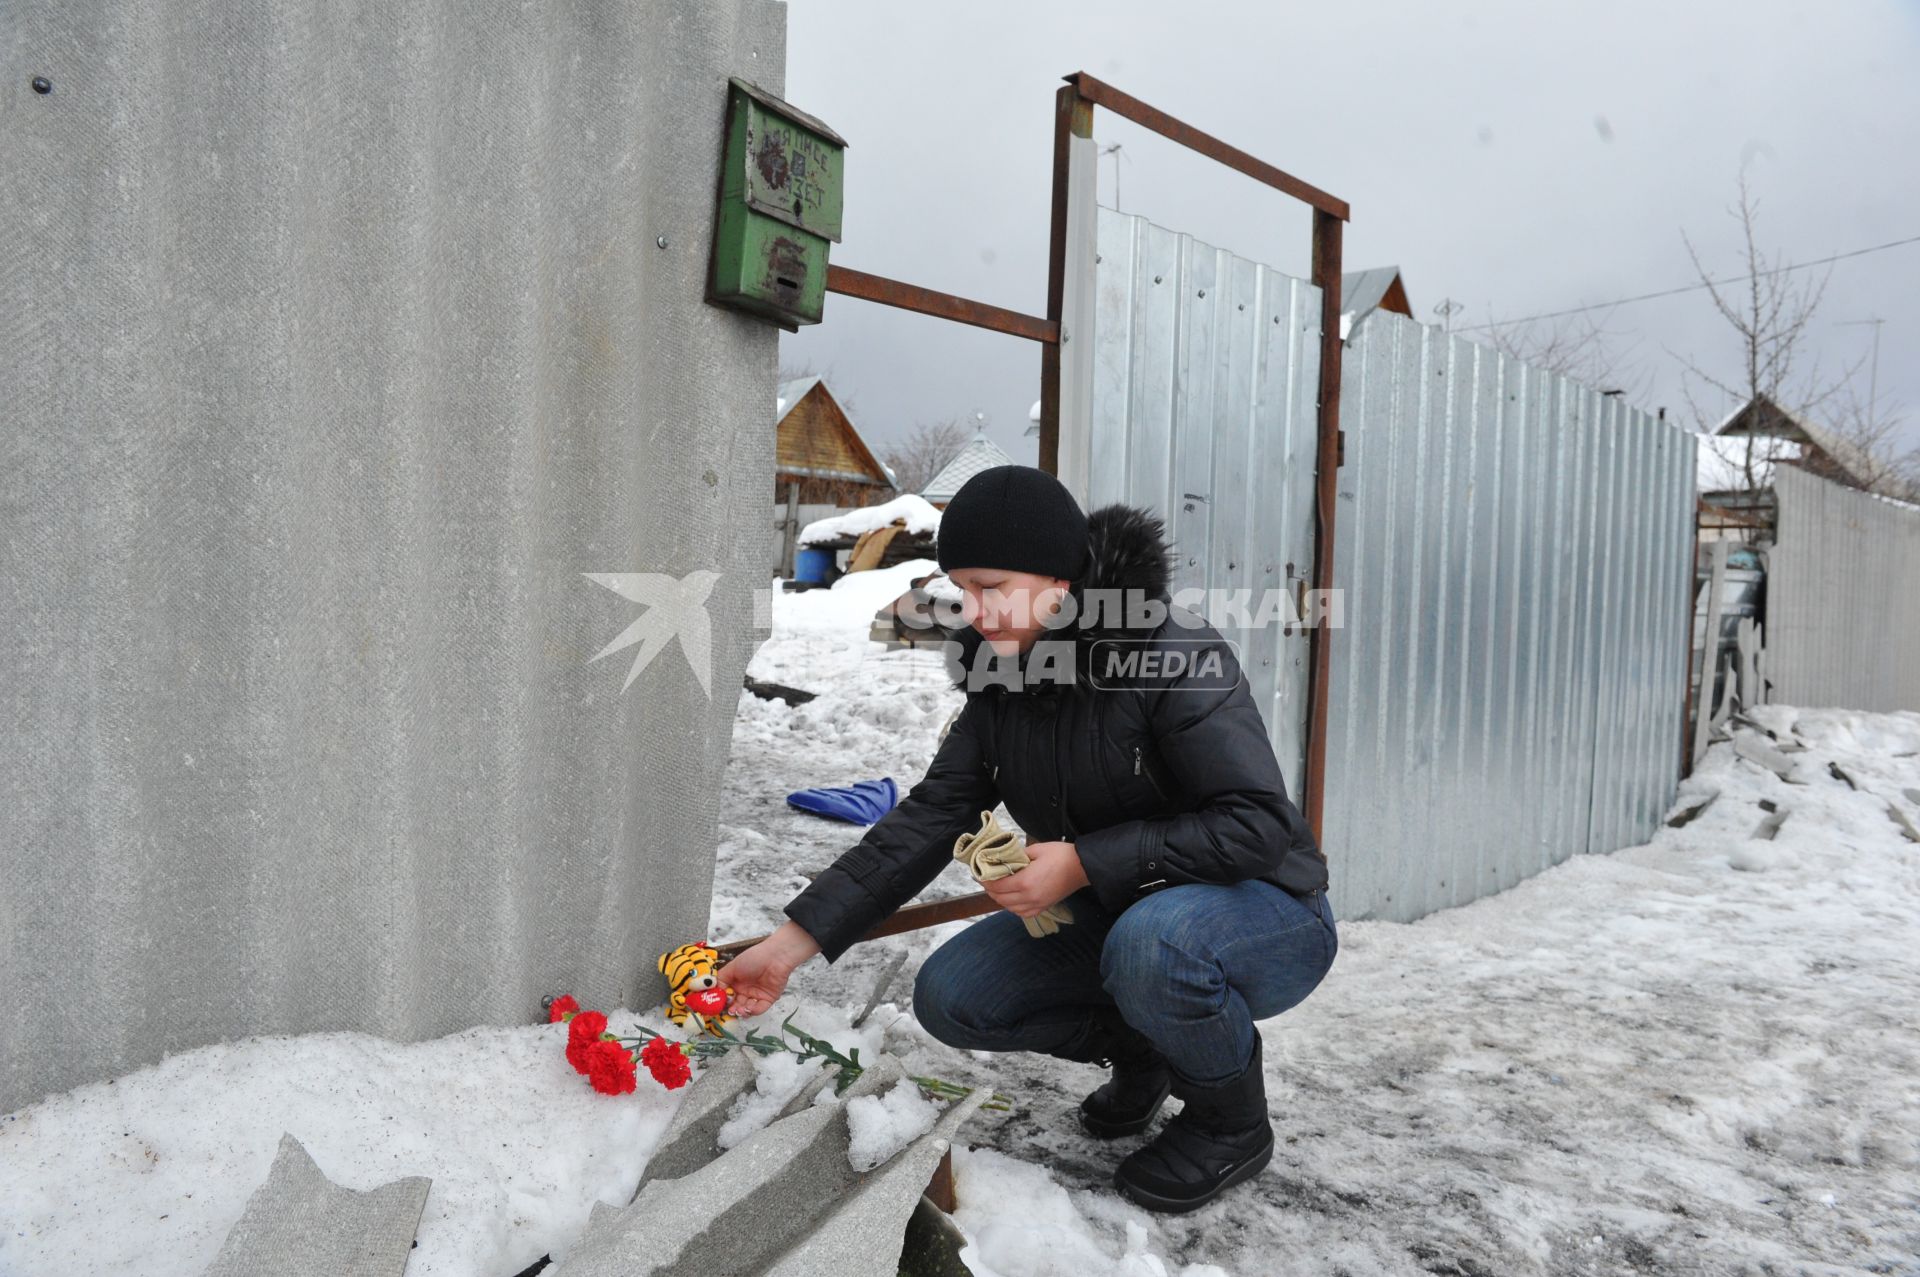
x: 981, y: 453
x: 1720, y: 465
x: 913, y: 508
x: 1763, y: 418
x: 788, y: 397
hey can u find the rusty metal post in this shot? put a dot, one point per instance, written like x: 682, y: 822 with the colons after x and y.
x: 1686, y: 683
x: 1072, y: 117
x: 928, y: 301
x: 931, y: 913
x: 940, y: 1187
x: 1327, y: 229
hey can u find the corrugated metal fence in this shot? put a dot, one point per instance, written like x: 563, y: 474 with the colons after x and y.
x: 1509, y: 676
x: 1510, y: 679
x: 1202, y: 408
x: 1843, y: 597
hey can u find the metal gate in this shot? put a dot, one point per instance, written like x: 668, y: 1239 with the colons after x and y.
x: 1202, y: 407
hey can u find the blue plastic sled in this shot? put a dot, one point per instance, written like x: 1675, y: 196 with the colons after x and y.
x: 861, y: 803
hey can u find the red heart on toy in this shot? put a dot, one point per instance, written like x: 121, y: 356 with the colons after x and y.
x: 708, y: 1001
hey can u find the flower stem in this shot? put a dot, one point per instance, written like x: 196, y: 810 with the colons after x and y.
x: 847, y: 1065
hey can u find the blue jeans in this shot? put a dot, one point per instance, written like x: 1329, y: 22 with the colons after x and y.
x: 1191, y: 967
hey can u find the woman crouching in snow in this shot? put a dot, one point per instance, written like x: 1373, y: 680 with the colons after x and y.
x: 1157, y: 814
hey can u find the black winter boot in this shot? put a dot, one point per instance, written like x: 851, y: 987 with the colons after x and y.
x: 1125, y: 1103
x: 1221, y: 1137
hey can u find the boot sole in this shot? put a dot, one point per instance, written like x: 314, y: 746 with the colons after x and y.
x: 1105, y: 1129
x: 1180, y: 1205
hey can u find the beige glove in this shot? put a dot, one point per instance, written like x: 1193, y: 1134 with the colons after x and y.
x: 991, y: 854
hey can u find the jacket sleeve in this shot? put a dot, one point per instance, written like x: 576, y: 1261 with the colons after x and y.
x: 1214, y: 742
x: 906, y: 848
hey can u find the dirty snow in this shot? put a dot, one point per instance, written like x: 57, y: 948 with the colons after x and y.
x: 1694, y: 1056
x: 1699, y: 1055
x: 1020, y: 1220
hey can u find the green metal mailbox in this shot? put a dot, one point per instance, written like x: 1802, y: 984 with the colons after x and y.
x: 780, y: 201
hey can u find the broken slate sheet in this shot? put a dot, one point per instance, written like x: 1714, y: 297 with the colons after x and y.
x: 299, y: 1223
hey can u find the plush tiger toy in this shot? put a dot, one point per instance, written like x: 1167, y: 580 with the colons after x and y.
x: 691, y: 988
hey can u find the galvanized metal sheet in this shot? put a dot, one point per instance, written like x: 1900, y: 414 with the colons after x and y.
x: 1201, y: 407
x: 1842, y: 637
x: 1509, y: 676
x: 1508, y: 686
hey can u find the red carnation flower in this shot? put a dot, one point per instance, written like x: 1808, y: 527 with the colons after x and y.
x: 610, y: 1068
x: 563, y: 1006
x: 667, y: 1062
x: 582, y: 1032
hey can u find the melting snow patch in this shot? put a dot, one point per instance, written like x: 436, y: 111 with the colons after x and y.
x: 882, y: 1125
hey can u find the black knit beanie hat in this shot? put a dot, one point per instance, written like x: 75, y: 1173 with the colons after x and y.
x: 1016, y: 518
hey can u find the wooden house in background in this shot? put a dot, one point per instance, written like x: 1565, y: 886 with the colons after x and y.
x: 1816, y: 449
x: 1381, y: 288
x: 818, y: 448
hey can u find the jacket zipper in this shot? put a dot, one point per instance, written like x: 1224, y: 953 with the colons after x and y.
x: 1140, y: 769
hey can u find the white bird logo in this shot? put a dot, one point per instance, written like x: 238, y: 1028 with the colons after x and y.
x: 676, y: 609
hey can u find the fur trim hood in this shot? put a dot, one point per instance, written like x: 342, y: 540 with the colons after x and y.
x: 1127, y: 550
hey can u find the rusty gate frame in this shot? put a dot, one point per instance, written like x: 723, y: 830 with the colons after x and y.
x: 1073, y: 117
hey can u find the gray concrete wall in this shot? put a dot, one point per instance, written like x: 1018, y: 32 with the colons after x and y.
x: 336, y: 347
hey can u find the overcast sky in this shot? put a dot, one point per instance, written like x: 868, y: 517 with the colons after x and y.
x: 1513, y: 157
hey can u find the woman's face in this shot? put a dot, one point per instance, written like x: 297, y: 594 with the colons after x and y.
x: 1010, y: 609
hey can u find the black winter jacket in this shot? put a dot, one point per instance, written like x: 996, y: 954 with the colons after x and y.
x: 1155, y: 786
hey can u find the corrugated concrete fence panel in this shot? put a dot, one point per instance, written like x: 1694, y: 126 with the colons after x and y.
x: 336, y: 347
x: 1508, y: 681
x: 1202, y: 408
x: 1843, y: 597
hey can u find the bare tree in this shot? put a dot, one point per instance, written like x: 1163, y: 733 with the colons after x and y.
x: 1873, y: 433
x: 801, y: 371
x: 921, y: 455
x: 1578, y: 347
x: 1769, y: 310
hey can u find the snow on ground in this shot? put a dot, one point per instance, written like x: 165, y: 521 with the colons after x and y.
x: 1700, y: 1055
x: 1696, y: 1056
x: 146, y: 1173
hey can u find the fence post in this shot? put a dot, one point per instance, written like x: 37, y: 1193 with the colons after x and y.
x: 1709, y: 652
x: 790, y: 530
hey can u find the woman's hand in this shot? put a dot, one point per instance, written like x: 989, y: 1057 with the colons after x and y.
x: 1052, y: 874
x: 758, y: 976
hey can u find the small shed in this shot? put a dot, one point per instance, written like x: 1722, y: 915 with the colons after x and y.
x: 818, y: 448
x: 981, y: 453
